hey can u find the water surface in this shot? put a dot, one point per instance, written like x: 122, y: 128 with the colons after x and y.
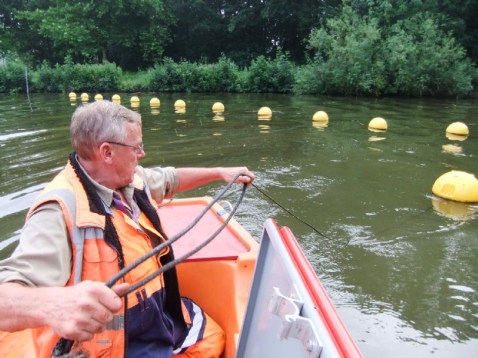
x: 399, y: 263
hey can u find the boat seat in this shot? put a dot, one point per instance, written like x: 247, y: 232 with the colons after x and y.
x: 227, y: 245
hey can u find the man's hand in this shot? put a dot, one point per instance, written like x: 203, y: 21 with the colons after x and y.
x: 75, y: 313
x: 229, y: 173
x: 80, y: 311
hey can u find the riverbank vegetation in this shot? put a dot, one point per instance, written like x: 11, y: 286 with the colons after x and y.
x: 350, y: 47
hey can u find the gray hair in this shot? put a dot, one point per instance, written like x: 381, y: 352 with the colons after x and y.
x: 95, y: 123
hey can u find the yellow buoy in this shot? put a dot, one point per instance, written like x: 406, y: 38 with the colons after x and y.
x: 85, y: 97
x: 218, y: 107
x: 264, y: 112
x: 456, y: 137
x: 458, y: 186
x: 320, y: 116
x: 134, y: 99
x: 457, y: 128
x: 180, y: 103
x: 116, y: 98
x: 377, y: 124
x: 72, y: 95
x: 98, y: 97
x: 154, y: 102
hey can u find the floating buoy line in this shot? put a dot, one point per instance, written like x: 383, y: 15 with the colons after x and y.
x: 455, y: 186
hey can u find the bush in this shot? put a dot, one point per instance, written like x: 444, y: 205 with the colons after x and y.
x: 166, y: 77
x: 48, y: 79
x: 411, y: 57
x: 194, y: 77
x: 348, y: 59
x: 424, y: 61
x: 69, y: 77
x: 267, y: 75
x: 12, y: 78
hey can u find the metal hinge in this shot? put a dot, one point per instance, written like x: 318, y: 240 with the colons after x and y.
x: 293, y: 324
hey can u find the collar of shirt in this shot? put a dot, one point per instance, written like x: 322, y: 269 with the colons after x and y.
x: 106, y: 194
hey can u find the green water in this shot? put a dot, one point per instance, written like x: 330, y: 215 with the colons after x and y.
x: 399, y: 264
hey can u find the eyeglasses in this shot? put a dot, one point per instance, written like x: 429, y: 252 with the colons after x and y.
x: 139, y: 149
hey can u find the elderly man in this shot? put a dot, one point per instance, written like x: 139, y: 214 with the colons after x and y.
x: 95, y: 217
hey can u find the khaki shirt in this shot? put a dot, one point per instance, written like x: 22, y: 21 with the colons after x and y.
x: 43, y: 256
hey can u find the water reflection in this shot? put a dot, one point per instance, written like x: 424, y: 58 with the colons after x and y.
x: 452, y: 148
x: 218, y: 117
x: 320, y: 125
x: 264, y: 128
x: 454, y: 210
x: 376, y: 139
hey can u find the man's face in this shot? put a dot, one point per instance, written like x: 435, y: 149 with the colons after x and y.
x: 126, y: 156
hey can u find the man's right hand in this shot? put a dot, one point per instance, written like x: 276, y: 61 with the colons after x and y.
x: 80, y: 311
x: 75, y: 313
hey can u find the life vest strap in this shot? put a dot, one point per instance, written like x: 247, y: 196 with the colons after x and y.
x: 117, y: 324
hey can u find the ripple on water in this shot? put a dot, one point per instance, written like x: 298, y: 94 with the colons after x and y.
x: 19, y: 201
x: 8, y: 136
x: 461, y: 288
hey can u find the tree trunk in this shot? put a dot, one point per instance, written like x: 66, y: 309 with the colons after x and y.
x: 105, y: 57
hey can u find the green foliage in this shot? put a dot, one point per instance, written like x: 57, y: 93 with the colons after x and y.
x: 219, y: 77
x: 48, y: 79
x: 348, y: 54
x: 423, y: 61
x: 70, y: 77
x: 359, y: 47
x: 135, y: 81
x: 354, y: 56
x: 174, y: 77
x: 267, y: 75
x: 12, y: 77
x: 87, y: 29
x: 194, y: 77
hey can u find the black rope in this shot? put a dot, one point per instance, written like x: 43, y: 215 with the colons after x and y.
x: 288, y: 211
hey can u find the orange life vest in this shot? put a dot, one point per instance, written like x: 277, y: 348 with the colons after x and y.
x: 94, y: 259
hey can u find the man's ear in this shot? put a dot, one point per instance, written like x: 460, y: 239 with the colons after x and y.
x: 105, y: 152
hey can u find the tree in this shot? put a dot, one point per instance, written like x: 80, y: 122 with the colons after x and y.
x: 348, y: 55
x: 200, y: 31
x: 386, y: 51
x: 424, y: 60
x: 88, y: 29
x: 21, y: 37
x: 243, y: 30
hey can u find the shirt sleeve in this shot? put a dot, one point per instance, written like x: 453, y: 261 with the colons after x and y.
x: 163, y: 182
x: 43, y: 255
